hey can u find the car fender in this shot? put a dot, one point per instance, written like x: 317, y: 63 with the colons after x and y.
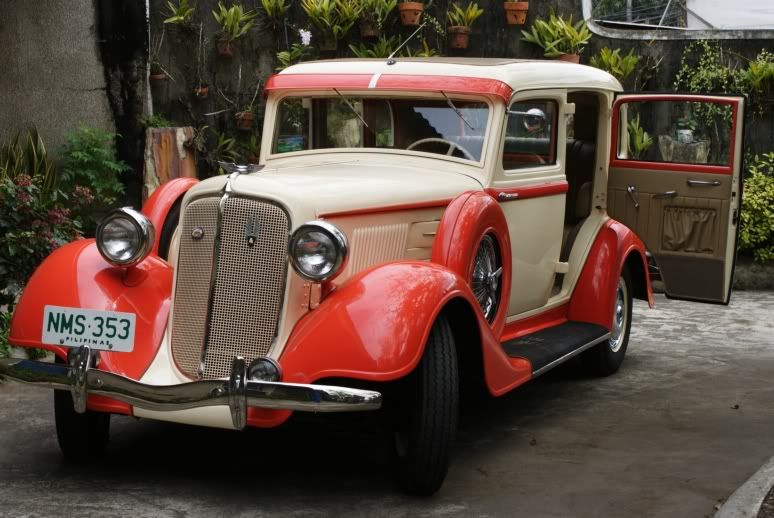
x: 375, y: 326
x: 160, y: 203
x: 77, y: 276
x: 467, y: 219
x: 614, y: 247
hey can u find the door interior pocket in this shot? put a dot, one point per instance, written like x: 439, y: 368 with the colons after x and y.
x: 689, y: 229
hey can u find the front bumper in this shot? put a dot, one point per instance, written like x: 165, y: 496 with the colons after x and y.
x: 236, y: 392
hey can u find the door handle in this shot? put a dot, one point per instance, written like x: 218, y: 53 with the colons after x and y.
x: 704, y: 183
x: 507, y: 196
x: 632, y: 190
x: 665, y: 194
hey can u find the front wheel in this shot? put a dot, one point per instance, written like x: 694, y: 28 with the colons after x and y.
x: 606, y: 358
x: 427, y: 419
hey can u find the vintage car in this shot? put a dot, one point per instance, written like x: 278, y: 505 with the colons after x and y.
x: 414, y: 226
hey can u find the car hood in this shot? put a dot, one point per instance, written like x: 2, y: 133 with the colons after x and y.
x: 316, y: 189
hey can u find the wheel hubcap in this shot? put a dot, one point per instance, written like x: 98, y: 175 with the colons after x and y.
x: 486, y: 277
x: 620, y: 314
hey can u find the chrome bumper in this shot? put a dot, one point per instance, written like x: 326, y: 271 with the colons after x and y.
x: 236, y: 392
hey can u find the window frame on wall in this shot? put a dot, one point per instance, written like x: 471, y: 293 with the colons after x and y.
x: 647, y: 33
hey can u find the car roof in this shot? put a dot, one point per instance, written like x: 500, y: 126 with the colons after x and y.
x: 519, y: 74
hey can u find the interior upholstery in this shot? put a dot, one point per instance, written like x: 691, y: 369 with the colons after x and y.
x: 581, y: 158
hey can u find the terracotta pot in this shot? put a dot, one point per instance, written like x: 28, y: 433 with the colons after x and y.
x: 225, y: 48
x: 327, y: 43
x: 458, y: 36
x: 244, y: 120
x: 410, y: 12
x: 516, y: 12
x: 572, y: 58
x: 369, y: 29
x: 252, y: 158
x: 158, y: 78
x: 202, y: 92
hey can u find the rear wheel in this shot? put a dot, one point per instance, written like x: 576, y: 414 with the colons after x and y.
x: 82, y: 437
x: 606, y: 358
x: 427, y: 417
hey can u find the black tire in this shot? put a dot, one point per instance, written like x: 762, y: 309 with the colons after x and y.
x: 606, y: 358
x: 427, y: 419
x: 168, y: 229
x: 82, y: 437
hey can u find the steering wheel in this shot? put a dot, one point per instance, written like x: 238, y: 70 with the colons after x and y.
x: 452, y: 146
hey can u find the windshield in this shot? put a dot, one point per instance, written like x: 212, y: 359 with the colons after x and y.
x: 451, y: 127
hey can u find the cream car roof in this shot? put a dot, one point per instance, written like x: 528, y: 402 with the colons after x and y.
x: 518, y: 74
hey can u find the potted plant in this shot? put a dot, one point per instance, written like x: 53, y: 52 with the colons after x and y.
x: 332, y: 19
x: 180, y: 14
x: 375, y: 13
x: 157, y: 74
x: 234, y: 23
x: 558, y: 37
x: 252, y: 150
x: 410, y: 12
x: 515, y: 12
x: 460, y: 21
x: 276, y: 11
x: 612, y: 62
x: 639, y: 140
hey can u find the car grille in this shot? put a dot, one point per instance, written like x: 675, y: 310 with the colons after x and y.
x: 241, y: 303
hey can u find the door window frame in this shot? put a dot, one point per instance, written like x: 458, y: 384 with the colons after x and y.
x: 627, y: 163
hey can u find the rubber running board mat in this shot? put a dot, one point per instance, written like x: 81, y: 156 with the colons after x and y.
x: 553, y: 345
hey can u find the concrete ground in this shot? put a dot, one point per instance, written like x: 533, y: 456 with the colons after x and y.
x: 687, y: 419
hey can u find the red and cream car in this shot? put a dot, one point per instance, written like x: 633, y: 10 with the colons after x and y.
x: 412, y: 225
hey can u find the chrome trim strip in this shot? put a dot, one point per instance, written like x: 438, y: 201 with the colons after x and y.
x: 213, y: 275
x: 569, y: 355
x: 196, y: 394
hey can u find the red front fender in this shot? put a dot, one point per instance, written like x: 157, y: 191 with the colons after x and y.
x: 77, y: 276
x: 376, y: 325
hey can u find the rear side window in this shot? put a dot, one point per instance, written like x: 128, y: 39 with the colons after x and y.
x: 530, y: 135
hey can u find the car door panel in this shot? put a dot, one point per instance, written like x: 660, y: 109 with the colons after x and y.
x: 685, y: 213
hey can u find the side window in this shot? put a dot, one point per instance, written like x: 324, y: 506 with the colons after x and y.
x: 682, y: 132
x: 530, y: 135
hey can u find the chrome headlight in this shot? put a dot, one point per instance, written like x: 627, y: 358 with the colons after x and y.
x: 318, y: 250
x: 125, y: 237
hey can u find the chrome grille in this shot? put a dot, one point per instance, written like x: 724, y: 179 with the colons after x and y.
x: 248, y: 289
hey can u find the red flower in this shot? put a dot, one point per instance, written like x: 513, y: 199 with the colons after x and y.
x: 23, y: 180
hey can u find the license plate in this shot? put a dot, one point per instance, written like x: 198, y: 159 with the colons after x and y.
x: 102, y: 330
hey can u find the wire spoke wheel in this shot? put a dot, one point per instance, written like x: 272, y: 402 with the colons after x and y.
x: 486, y: 278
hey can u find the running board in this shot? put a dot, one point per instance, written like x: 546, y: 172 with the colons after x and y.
x: 551, y: 346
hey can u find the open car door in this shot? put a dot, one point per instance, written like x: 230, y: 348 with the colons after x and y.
x: 675, y: 179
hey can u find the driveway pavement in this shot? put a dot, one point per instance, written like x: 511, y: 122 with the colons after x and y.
x: 688, y: 418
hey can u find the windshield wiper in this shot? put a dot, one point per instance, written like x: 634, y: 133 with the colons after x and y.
x: 352, y: 108
x: 457, y: 111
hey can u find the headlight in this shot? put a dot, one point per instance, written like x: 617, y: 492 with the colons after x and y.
x: 125, y: 237
x: 318, y: 250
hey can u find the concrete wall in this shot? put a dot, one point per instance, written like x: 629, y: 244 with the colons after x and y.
x: 51, y: 75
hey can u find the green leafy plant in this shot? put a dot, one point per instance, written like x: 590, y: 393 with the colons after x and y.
x: 639, y: 140
x: 225, y: 149
x: 756, y: 231
x: 425, y: 51
x: 291, y: 57
x: 180, y: 13
x: 612, y: 62
x: 460, y: 17
x: 276, y: 10
x: 234, y: 21
x: 333, y: 18
x: 26, y: 155
x: 558, y: 36
x: 157, y: 121
x: 89, y: 162
x: 377, y: 11
x: 5, y: 327
x: 382, y: 48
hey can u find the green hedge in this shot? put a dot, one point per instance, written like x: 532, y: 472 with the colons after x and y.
x: 756, y: 234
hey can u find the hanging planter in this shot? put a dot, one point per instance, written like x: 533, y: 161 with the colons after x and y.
x: 369, y: 29
x: 201, y: 91
x: 571, y: 58
x: 245, y: 120
x: 516, y: 12
x: 328, y: 43
x: 225, y: 48
x: 410, y: 12
x: 157, y: 75
x: 459, y: 36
